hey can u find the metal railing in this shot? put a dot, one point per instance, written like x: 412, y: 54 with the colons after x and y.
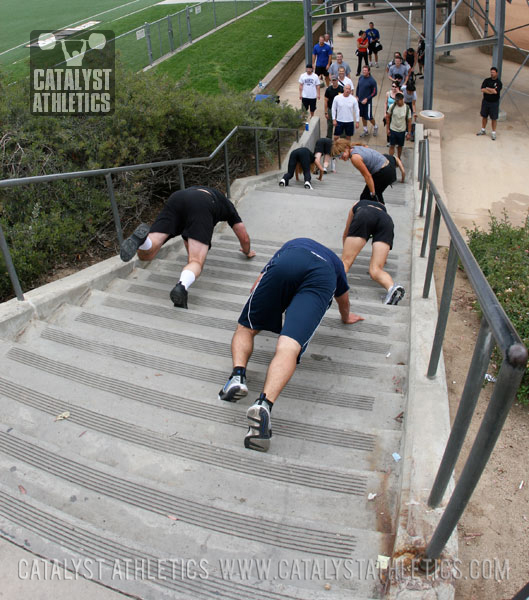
x: 107, y: 174
x: 496, y: 330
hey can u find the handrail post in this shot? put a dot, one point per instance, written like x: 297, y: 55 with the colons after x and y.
x: 431, y: 254
x: 476, y: 373
x: 10, y: 266
x: 181, y: 176
x: 227, y: 170
x: 113, y: 203
x: 427, y: 219
x: 421, y: 165
x: 444, y: 309
x: 214, y: 15
x: 278, y: 151
x: 256, y: 135
x: 507, y: 384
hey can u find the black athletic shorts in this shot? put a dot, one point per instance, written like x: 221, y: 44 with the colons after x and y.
x: 309, y: 104
x: 489, y: 109
x: 187, y: 213
x: 372, y: 222
x: 322, y: 71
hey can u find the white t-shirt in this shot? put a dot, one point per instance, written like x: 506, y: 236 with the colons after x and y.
x: 345, y: 109
x: 346, y: 81
x: 311, y: 83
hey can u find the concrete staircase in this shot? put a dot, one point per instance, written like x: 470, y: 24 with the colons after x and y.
x: 148, y: 467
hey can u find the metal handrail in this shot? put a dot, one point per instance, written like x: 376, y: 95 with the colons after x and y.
x: 496, y: 329
x: 108, y: 172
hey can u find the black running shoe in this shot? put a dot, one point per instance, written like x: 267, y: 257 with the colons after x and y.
x: 178, y: 295
x: 259, y: 426
x: 130, y: 246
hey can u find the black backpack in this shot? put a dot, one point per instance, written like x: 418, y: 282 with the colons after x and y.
x: 411, y: 78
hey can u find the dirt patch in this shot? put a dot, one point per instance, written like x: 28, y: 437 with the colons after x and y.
x: 494, y: 530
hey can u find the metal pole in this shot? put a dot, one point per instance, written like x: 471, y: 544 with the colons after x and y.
x: 181, y: 176
x: 499, y: 24
x: 227, y: 171
x: 427, y: 221
x: 507, y: 384
x: 486, y: 25
x: 429, y: 55
x: 444, y: 310
x: 433, y: 250
x: 343, y: 8
x: 328, y: 22
x: 307, y: 23
x: 188, y: 19
x: 448, y: 30
x: 160, y: 37
x: 256, y: 135
x: 148, y: 38
x: 214, y: 14
x: 10, y: 266
x: 180, y: 28
x: 278, y: 151
x: 235, y: 8
x: 408, y: 39
x: 170, y: 33
x: 115, y: 211
x: 425, y: 173
x: 473, y: 384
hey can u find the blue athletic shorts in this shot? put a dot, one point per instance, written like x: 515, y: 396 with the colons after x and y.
x: 344, y: 127
x: 299, y: 282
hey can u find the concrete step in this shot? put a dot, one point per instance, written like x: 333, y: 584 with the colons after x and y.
x: 149, y: 463
x: 152, y: 575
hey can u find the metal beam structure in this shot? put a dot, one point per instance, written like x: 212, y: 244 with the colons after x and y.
x: 429, y: 27
x: 499, y: 22
x: 429, y: 56
x: 307, y: 22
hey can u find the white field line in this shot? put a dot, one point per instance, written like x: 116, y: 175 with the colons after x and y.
x: 74, y: 23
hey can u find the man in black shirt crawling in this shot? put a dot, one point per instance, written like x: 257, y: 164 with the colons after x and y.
x: 193, y: 214
x: 491, y: 88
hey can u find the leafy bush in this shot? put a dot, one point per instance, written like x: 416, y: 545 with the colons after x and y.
x: 45, y: 224
x: 503, y: 255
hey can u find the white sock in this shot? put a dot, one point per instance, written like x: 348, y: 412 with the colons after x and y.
x: 482, y: 129
x: 186, y: 278
x: 493, y: 132
x: 147, y: 244
x: 365, y: 128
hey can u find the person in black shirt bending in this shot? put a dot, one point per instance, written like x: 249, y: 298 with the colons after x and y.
x: 490, y: 105
x: 193, y: 214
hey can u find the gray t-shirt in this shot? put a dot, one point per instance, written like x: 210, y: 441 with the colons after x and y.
x: 333, y: 69
x: 373, y: 160
x: 401, y: 70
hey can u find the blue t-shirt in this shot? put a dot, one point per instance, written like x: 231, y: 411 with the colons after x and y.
x: 323, y: 252
x: 372, y: 34
x: 322, y: 54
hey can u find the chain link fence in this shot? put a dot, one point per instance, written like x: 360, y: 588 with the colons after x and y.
x: 148, y: 43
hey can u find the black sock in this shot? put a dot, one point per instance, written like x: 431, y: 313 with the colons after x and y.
x: 268, y: 403
x: 238, y: 371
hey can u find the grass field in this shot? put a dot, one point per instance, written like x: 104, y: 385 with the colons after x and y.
x: 247, y: 51
x: 115, y: 15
